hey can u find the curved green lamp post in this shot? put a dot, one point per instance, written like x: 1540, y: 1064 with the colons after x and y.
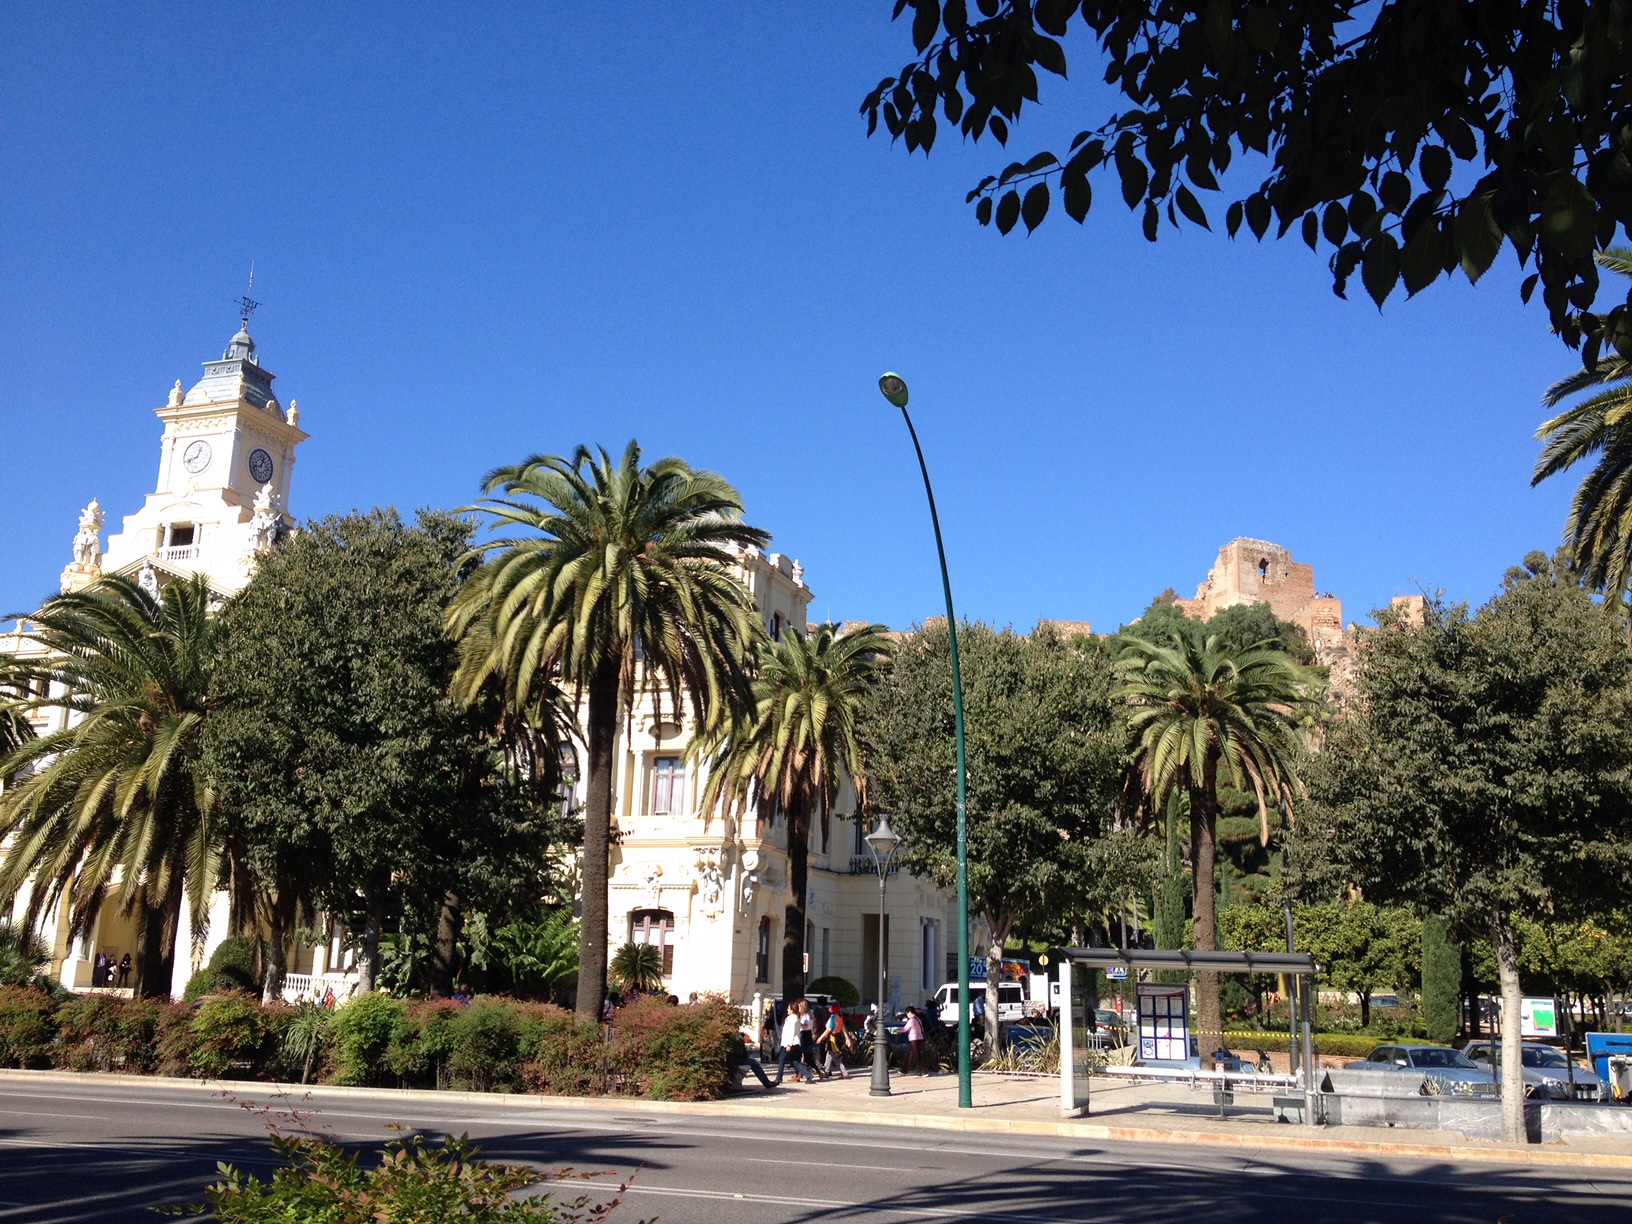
x: 894, y: 388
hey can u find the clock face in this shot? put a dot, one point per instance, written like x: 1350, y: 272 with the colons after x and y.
x: 260, y: 466
x: 196, y: 457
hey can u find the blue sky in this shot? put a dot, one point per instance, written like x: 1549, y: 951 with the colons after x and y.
x: 482, y: 232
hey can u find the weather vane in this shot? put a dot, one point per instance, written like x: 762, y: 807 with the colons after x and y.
x: 247, y: 304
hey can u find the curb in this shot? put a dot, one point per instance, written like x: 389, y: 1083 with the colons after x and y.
x: 1550, y: 1156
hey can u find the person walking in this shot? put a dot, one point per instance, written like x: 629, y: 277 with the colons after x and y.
x: 836, y: 1040
x: 807, y: 1039
x: 790, y: 1044
x: 915, y: 1041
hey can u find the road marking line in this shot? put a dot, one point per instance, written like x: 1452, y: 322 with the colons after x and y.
x: 881, y: 1168
x: 841, y: 1204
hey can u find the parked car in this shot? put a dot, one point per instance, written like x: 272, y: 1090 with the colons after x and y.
x: 1437, y: 1062
x: 1546, y: 1070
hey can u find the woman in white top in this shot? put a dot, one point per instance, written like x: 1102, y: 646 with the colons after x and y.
x: 790, y: 1044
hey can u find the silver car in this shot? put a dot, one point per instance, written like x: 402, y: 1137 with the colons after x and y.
x: 1440, y: 1063
x: 1546, y: 1071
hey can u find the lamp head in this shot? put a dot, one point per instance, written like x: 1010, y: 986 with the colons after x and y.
x: 883, y: 839
x: 894, y: 388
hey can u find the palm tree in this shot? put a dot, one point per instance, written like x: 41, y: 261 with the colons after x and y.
x: 637, y: 968
x: 1198, y: 711
x: 112, y: 800
x: 621, y: 574
x: 1599, y: 528
x: 794, y: 748
x: 15, y: 729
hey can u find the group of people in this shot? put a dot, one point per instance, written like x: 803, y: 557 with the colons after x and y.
x: 105, y: 971
x: 810, y: 1043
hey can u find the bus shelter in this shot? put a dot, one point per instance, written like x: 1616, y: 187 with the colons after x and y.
x: 1077, y: 1022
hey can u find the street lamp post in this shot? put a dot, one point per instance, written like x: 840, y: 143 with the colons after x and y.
x: 894, y: 388
x: 882, y: 841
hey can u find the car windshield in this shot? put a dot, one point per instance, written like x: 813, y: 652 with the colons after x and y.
x: 1429, y: 1057
x: 1543, y: 1056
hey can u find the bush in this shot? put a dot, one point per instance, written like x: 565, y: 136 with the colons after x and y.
x: 840, y: 988
x: 318, y: 1182
x: 228, y: 1033
x: 675, y: 1053
x: 566, y: 1058
x: 231, y: 967
x: 27, y: 1026
x: 102, y: 1033
x: 487, y: 1046
x: 365, y: 1031
x: 1335, y: 1045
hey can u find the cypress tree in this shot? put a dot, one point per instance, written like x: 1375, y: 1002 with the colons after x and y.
x: 1441, y: 979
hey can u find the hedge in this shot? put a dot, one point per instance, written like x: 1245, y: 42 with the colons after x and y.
x: 1337, y: 1045
x: 493, y: 1044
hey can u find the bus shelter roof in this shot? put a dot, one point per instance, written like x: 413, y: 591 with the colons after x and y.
x: 1299, y: 964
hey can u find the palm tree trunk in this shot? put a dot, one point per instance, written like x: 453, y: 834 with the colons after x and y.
x: 1203, y: 861
x: 793, y: 933
x: 156, y: 941
x: 601, y: 735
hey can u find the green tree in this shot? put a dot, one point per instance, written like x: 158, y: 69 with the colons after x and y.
x: 1362, y: 946
x: 1044, y: 751
x: 23, y: 954
x: 1199, y: 715
x: 793, y: 751
x: 1238, y: 627
x: 1411, y: 139
x: 1598, y: 531
x: 345, y: 774
x: 1483, y: 771
x: 15, y: 695
x: 112, y: 801
x: 1441, y: 980
x: 618, y: 574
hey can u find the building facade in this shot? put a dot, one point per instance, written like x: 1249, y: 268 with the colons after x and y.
x: 710, y: 888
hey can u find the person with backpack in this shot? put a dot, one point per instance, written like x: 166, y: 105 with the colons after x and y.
x: 835, y: 1039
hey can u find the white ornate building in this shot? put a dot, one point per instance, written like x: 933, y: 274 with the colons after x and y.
x: 225, y: 458
x: 710, y: 890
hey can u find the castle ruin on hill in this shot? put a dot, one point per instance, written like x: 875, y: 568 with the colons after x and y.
x: 1252, y: 571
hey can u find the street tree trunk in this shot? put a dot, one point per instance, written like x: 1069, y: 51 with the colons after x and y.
x: 368, y: 956
x: 275, y: 964
x: 793, y: 925
x: 445, y: 957
x: 1203, y: 860
x: 994, y: 979
x: 1505, y: 945
x: 601, y: 735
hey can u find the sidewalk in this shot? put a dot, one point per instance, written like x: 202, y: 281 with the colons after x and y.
x: 1132, y: 1112
x: 1003, y: 1105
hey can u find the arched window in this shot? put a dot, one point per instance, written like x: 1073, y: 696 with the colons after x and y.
x: 655, y: 927
x: 762, y: 953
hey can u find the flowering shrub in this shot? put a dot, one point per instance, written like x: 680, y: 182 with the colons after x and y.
x: 492, y: 1044
x: 27, y: 1027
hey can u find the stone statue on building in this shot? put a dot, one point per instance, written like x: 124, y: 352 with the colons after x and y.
x: 88, y: 543
x: 148, y: 579
x: 86, y: 567
x: 710, y: 881
x: 266, y: 522
x: 652, y: 886
x: 750, y: 878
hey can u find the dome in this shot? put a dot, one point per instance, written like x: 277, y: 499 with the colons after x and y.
x: 241, y: 345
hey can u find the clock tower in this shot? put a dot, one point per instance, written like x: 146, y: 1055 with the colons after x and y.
x: 225, y: 460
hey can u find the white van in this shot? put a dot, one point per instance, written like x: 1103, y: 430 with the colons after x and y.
x: 1011, y: 1001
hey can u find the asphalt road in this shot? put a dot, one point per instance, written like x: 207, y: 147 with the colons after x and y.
x: 72, y: 1151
